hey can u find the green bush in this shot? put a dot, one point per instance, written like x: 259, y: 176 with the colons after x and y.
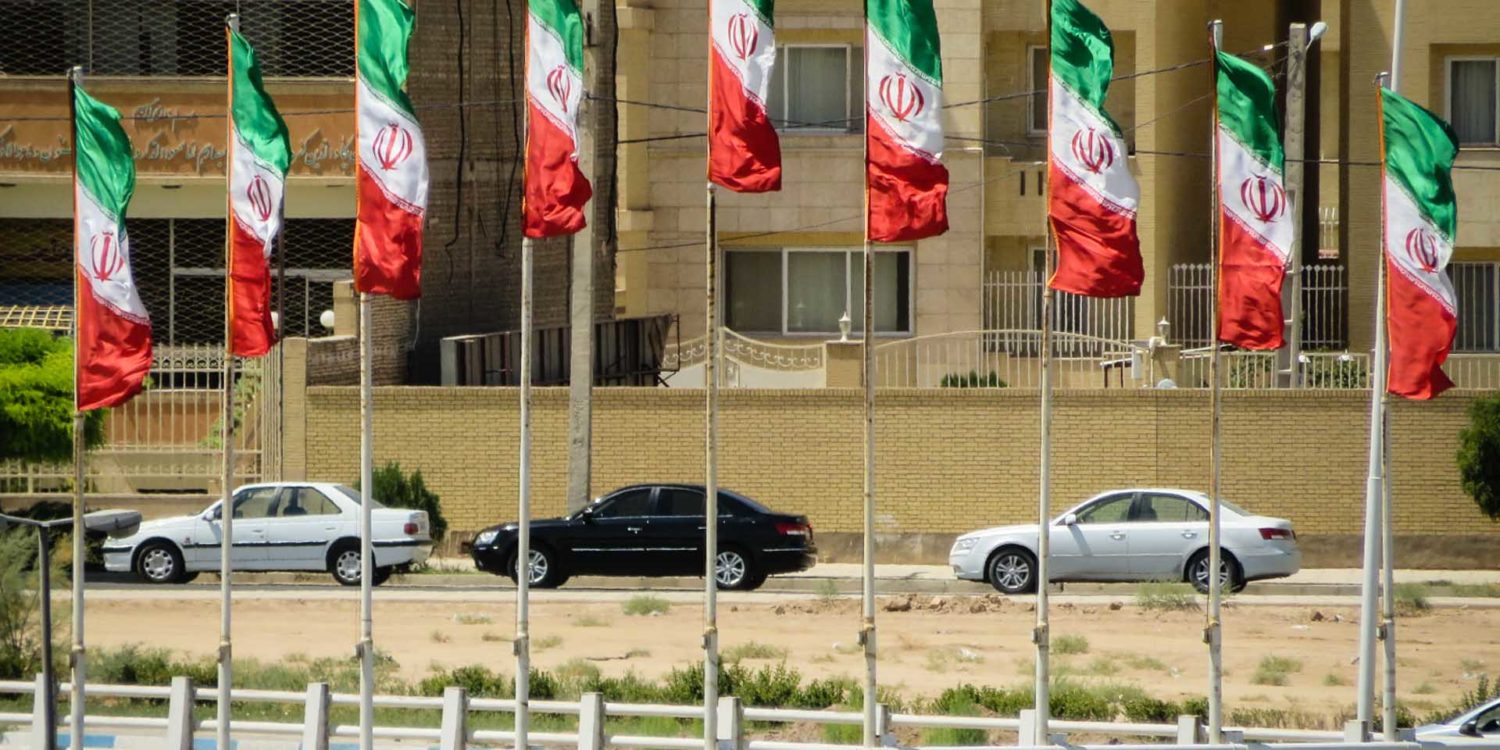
x: 1351, y: 374
x: 1479, y: 455
x: 957, y: 706
x: 394, y: 488
x: 1148, y: 710
x: 20, y: 608
x: 1071, y: 700
x: 645, y: 604
x: 36, y: 397
x: 1166, y: 596
x: 972, y: 380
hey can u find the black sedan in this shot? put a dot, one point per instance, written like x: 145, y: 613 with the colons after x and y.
x: 654, y: 530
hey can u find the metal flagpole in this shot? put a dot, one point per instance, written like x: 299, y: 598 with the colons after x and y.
x: 867, y: 585
x: 226, y: 436
x: 366, y: 647
x: 523, y: 502
x: 711, y: 487
x: 80, y: 455
x: 1041, y: 634
x: 1375, y: 483
x: 1213, y: 632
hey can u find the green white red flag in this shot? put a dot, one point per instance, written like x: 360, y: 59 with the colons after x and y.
x: 1092, y: 196
x: 1421, y: 222
x: 1255, y: 217
x: 114, y: 331
x: 744, y: 153
x: 906, y: 183
x: 555, y: 189
x: 391, y: 171
x: 259, y: 154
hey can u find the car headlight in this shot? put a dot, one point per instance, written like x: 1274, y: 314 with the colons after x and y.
x: 965, y: 544
x: 486, y: 538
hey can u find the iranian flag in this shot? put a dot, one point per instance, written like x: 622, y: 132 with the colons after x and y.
x: 556, y: 190
x: 1421, y: 221
x: 744, y: 154
x: 391, y: 172
x: 906, y: 183
x: 1255, y: 218
x: 114, y: 332
x: 1092, y: 195
x: 259, y: 153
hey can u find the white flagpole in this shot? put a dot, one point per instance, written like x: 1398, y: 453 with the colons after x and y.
x: 867, y: 586
x: 80, y: 455
x: 1041, y: 635
x: 366, y: 549
x: 1375, y: 483
x: 226, y: 417
x: 1213, y: 632
x: 523, y: 531
x: 711, y: 488
x: 1387, y: 522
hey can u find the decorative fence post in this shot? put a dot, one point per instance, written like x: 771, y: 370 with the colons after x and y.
x: 591, y: 721
x: 315, y: 717
x: 454, y: 734
x: 180, y: 714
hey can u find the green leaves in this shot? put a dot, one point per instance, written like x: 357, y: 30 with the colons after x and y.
x: 1479, y: 455
x: 36, y: 398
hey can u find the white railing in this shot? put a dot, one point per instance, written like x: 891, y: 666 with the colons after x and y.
x: 1013, y: 301
x: 454, y: 707
x: 1477, y: 286
x: 1004, y: 359
x: 1324, y: 304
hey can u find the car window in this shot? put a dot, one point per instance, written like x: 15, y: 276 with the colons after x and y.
x: 1112, y: 509
x: 627, y: 504
x: 260, y: 502
x: 1489, y: 721
x: 354, y: 495
x: 734, y: 505
x: 297, y: 502
x: 680, y: 501
x: 1167, y: 509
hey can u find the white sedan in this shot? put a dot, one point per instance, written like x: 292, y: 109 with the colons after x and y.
x: 291, y: 526
x: 1132, y: 535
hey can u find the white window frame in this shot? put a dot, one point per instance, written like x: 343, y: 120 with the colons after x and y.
x: 1494, y: 142
x: 854, y: 297
x: 851, y: 69
x: 1031, y: 128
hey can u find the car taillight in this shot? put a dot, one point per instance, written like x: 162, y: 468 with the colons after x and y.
x: 410, y: 528
x: 1277, y: 534
x: 792, y: 529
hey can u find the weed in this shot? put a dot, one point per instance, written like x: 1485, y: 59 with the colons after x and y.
x: 1065, y: 645
x: 961, y: 705
x: 754, y: 650
x: 1471, y: 666
x: 943, y: 658
x: 1166, y: 596
x: 1425, y: 688
x: 646, y: 604
x: 439, y: 636
x: 1144, y: 663
x: 1475, y: 590
x: 468, y: 619
x: 637, y: 653
x: 590, y: 621
x: 1412, y: 598
x: 1274, y: 670
x: 1334, y: 679
x: 490, y: 636
x: 546, y: 642
x: 1103, y: 666
x: 843, y: 734
x: 827, y: 590
x: 578, y: 670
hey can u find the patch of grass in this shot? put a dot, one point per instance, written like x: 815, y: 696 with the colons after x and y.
x: 1144, y: 663
x: 438, y: 636
x: 1102, y: 666
x: 1334, y: 679
x: 637, y: 653
x: 646, y: 604
x: 1166, y: 596
x: 578, y: 669
x: 490, y: 636
x: 1472, y: 666
x: 1474, y: 590
x: 962, y: 705
x: 1412, y: 598
x: 1425, y: 688
x: 1067, y: 645
x: 1275, y: 670
x: 546, y: 642
x: 944, y: 658
x: 470, y: 619
x: 590, y: 621
x: 754, y: 650
x: 843, y: 734
x: 827, y: 590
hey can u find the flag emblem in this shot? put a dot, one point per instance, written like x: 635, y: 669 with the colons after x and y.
x: 106, y: 260
x: 902, y: 98
x: 559, y: 85
x: 1422, y: 247
x: 744, y: 35
x: 392, y: 146
x: 1095, y: 152
x: 1265, y: 199
x: 259, y: 196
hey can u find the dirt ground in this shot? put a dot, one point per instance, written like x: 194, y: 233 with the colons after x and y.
x: 927, y: 643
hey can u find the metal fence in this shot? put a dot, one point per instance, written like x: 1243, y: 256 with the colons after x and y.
x: 1005, y: 359
x: 1013, y: 301
x: 1478, y: 290
x: 1325, y: 295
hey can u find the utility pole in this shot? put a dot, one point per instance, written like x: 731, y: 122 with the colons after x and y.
x: 1296, y: 133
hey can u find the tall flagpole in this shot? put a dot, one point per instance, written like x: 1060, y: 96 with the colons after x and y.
x: 1375, y: 483
x: 711, y: 484
x: 1041, y: 634
x: 226, y: 436
x: 366, y: 549
x: 1213, y: 632
x: 523, y: 531
x: 867, y: 586
x: 80, y: 455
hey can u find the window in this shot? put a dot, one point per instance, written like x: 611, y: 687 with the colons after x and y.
x: 306, y: 501
x: 680, y: 501
x: 1472, y: 100
x: 1037, y: 103
x: 1478, y: 288
x: 627, y: 504
x: 1112, y: 509
x: 818, y: 88
x: 257, y: 503
x: 1168, y: 509
x: 354, y: 495
x: 794, y: 291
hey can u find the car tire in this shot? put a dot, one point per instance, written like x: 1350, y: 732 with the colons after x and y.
x: 344, y: 563
x: 734, y: 571
x: 1011, y: 571
x: 1231, y: 576
x: 545, y: 573
x: 160, y: 562
x: 382, y: 575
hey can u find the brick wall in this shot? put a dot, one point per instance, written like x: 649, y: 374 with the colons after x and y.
x: 948, y: 461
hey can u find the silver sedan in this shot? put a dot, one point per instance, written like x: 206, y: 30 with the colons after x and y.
x: 1132, y: 535
x: 1480, y: 722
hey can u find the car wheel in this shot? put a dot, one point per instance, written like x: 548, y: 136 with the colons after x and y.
x: 344, y: 564
x: 160, y: 562
x: 733, y: 571
x: 543, y: 570
x: 1230, y: 576
x: 1012, y: 571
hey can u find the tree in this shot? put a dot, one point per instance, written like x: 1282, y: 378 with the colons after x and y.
x: 36, y: 398
x: 394, y: 489
x: 1479, y: 455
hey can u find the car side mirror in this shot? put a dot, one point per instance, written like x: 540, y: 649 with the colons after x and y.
x: 587, y: 515
x: 1470, y: 728
x: 1070, y: 519
x: 213, y: 515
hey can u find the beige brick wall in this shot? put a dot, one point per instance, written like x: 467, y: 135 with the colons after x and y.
x: 948, y: 461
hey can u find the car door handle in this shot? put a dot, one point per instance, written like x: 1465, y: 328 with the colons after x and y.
x: 1117, y: 536
x: 1189, y: 535
x: 633, y: 529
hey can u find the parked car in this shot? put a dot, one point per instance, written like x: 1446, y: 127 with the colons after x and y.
x: 654, y: 530
x: 291, y: 526
x: 1132, y: 535
x: 1479, y: 722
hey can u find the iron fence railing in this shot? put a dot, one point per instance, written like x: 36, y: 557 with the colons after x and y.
x: 1012, y: 300
x: 1325, y: 296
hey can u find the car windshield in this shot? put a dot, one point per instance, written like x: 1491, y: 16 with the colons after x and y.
x: 354, y: 495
